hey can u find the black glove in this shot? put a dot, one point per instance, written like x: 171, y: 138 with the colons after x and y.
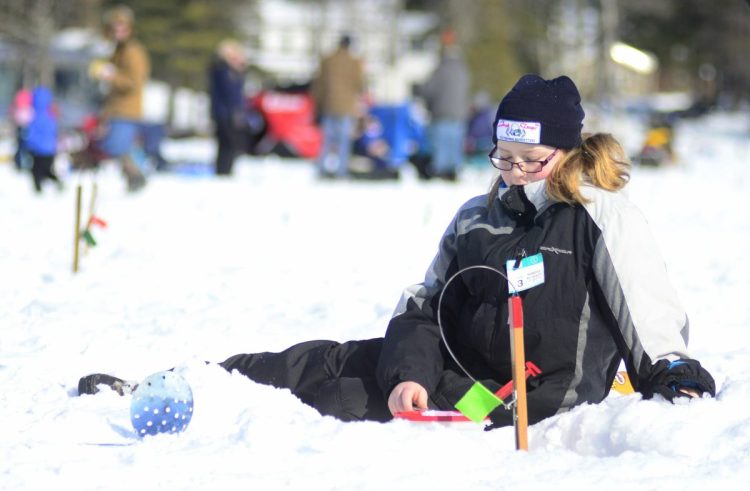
x: 668, y: 378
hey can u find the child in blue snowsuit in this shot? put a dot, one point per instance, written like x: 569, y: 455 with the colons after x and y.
x: 41, y: 138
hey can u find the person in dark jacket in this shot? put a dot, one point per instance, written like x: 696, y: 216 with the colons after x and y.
x: 226, y: 82
x: 41, y: 138
x: 604, y: 295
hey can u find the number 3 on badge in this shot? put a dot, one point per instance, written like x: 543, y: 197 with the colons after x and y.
x: 528, y: 274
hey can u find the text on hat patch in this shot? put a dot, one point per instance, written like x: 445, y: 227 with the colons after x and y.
x: 518, y: 131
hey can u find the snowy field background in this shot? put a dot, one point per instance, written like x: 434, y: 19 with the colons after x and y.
x: 197, y: 269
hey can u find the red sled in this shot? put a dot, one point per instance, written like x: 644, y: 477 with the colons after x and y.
x: 290, y: 121
x: 437, y: 416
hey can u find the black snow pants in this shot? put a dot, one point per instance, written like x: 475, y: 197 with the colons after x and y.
x: 42, y: 169
x: 337, y: 379
x: 229, y: 145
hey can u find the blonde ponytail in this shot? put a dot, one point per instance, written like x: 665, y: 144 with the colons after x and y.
x: 600, y: 161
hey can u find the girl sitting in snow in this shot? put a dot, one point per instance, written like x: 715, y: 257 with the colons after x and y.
x: 605, y: 295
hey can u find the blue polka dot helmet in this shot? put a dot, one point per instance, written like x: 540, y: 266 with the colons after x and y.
x: 162, y: 403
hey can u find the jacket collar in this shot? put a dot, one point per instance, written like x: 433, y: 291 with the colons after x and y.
x: 524, y: 203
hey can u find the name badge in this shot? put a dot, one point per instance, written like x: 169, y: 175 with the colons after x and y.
x: 528, y: 274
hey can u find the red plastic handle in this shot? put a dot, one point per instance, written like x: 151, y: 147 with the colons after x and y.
x: 531, y: 371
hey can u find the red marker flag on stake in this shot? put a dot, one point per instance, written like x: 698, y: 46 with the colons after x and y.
x: 95, y: 220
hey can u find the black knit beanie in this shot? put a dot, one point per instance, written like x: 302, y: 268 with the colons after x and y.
x: 538, y: 111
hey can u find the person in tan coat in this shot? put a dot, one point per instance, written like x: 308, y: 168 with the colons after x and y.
x: 126, y: 74
x: 337, y: 90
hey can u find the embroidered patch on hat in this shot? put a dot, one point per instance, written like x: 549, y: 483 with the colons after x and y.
x: 518, y: 131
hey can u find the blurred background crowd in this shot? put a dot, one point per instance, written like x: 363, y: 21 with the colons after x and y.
x: 360, y: 88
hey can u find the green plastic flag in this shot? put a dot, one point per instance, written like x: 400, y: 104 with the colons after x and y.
x: 478, y: 402
x: 86, y: 235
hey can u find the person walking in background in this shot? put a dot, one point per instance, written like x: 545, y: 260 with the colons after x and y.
x: 154, y: 124
x: 226, y: 82
x: 446, y: 94
x: 336, y: 91
x: 126, y: 74
x: 22, y: 112
x: 41, y: 138
x: 479, y: 126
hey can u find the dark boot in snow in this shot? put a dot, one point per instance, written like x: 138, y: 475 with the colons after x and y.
x: 89, y: 383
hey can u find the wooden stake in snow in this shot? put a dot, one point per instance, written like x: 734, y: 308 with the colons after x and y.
x: 518, y: 361
x: 77, y: 237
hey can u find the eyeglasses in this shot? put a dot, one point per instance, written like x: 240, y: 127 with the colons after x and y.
x: 528, y: 166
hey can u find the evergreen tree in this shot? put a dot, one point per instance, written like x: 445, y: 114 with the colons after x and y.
x: 490, y: 49
x: 182, y: 35
x: 501, y: 39
x: 693, y: 39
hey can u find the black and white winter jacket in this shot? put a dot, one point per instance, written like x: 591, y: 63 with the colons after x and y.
x: 606, y: 297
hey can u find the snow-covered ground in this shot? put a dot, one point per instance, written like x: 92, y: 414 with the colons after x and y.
x: 196, y: 269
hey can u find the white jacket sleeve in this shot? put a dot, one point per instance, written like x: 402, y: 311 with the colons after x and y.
x: 632, y: 276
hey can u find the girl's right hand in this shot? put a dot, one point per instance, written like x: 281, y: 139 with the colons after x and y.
x: 407, y: 396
